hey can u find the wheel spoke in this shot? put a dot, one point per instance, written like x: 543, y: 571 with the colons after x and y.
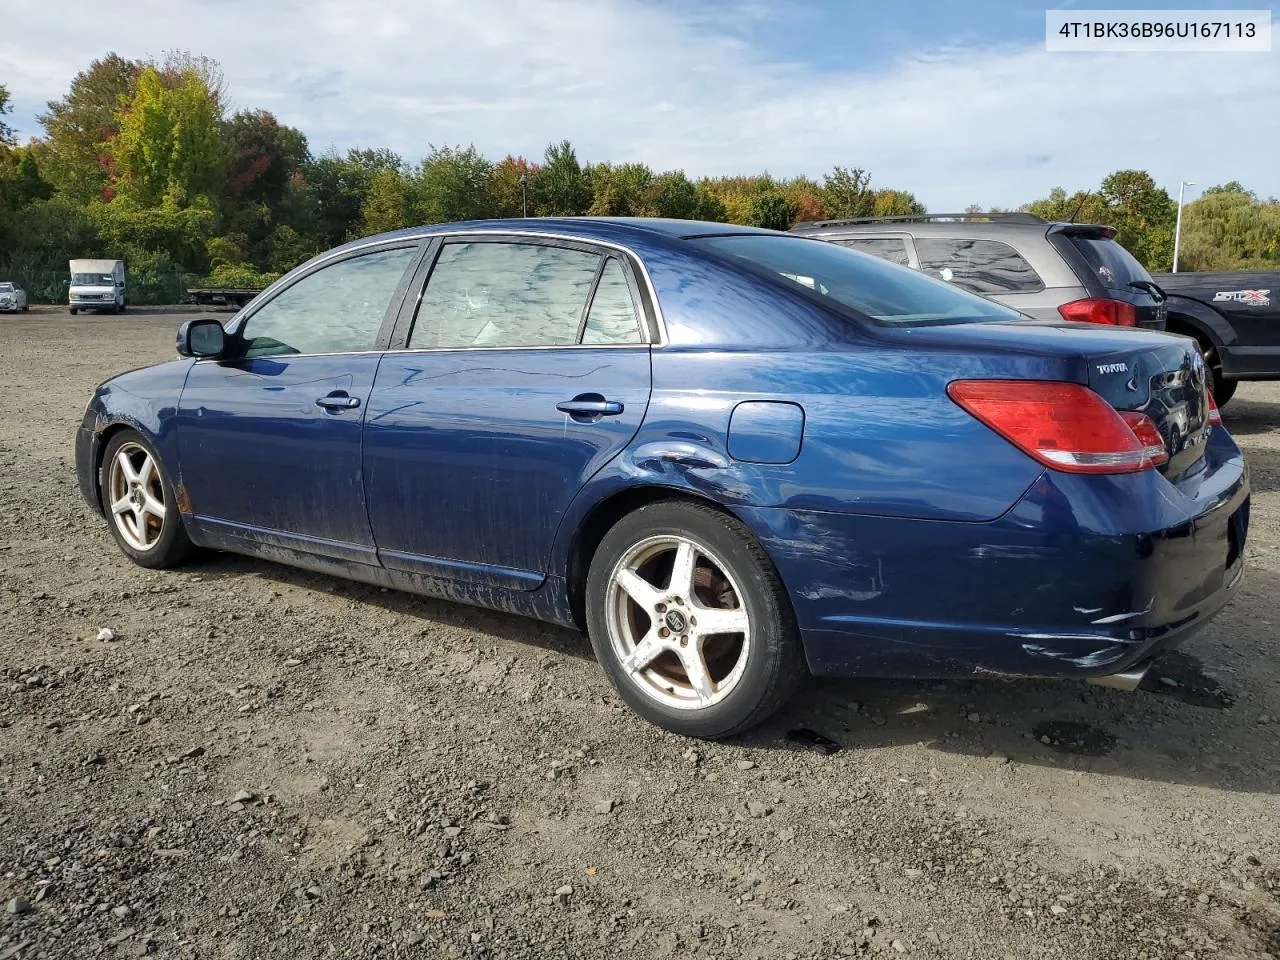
x: 147, y: 472
x: 644, y: 653
x: 638, y: 588
x: 126, y: 468
x: 682, y: 570
x: 140, y: 525
x: 123, y: 505
x: 152, y: 506
x: 713, y: 620
x: 695, y: 669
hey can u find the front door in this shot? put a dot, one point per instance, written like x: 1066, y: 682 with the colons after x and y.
x: 527, y: 370
x: 269, y: 436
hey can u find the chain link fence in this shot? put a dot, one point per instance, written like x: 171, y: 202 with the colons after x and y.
x: 146, y: 287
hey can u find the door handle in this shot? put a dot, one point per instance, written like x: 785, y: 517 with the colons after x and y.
x: 338, y: 401
x: 590, y: 407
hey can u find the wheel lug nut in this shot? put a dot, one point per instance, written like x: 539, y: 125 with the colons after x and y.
x: 661, y: 608
x: 664, y: 632
x: 684, y: 641
x: 693, y: 621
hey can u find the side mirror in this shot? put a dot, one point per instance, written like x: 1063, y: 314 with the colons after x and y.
x: 201, y: 338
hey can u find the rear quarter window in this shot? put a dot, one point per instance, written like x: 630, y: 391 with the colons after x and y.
x: 980, y: 266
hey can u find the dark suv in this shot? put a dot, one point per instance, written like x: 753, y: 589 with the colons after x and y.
x: 1044, y: 269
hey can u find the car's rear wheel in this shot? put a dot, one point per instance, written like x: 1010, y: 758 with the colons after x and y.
x: 140, y: 504
x: 690, y: 620
x: 73, y: 311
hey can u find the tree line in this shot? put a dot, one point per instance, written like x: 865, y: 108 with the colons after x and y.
x: 144, y: 161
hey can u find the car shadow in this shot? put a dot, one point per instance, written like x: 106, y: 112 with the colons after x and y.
x: 1183, y: 725
x: 1248, y: 417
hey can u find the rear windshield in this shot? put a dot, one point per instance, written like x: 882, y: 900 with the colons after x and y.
x: 1112, y: 264
x: 885, y: 292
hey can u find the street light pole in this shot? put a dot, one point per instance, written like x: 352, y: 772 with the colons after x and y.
x: 524, y: 194
x: 1177, y: 229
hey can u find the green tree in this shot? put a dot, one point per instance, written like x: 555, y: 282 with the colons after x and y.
x: 452, y: 185
x: 675, y: 196
x: 1143, y: 215
x: 6, y: 131
x: 168, y: 145
x: 75, y: 155
x: 560, y: 187
x: 339, y: 186
x: 386, y: 205
x: 621, y: 190
x: 1229, y: 228
x: 845, y: 193
x: 772, y: 210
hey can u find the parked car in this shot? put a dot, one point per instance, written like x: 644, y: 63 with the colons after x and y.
x: 731, y: 455
x: 1075, y: 271
x: 1235, y: 315
x: 12, y: 298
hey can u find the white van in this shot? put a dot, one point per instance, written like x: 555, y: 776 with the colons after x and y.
x: 97, y: 285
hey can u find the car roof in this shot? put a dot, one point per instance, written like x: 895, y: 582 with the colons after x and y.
x: 601, y: 228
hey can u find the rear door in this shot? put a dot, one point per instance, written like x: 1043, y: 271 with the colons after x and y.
x: 524, y: 371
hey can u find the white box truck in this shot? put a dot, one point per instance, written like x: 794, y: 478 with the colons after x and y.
x: 97, y: 285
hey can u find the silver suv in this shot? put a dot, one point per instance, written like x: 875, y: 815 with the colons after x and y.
x: 1046, y: 270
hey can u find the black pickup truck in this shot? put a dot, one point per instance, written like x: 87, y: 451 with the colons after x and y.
x: 1236, y: 317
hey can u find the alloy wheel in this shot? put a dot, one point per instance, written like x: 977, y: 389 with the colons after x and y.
x: 136, y: 496
x: 677, y: 622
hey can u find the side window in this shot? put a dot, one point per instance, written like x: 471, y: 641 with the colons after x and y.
x: 337, y: 309
x: 981, y: 266
x: 893, y: 249
x: 504, y: 295
x: 612, y: 317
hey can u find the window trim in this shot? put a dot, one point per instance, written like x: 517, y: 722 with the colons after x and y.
x: 908, y: 248
x: 1004, y: 243
x: 237, y: 324
x: 653, y: 327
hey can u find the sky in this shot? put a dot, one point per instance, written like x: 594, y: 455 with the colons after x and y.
x: 957, y: 102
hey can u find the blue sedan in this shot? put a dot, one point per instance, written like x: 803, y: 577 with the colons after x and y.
x: 732, y: 456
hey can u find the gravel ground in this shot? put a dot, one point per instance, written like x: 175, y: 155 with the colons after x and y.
x: 264, y: 762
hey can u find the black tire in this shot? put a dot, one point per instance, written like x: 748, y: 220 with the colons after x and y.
x: 26, y: 307
x: 775, y: 663
x: 172, y: 547
x: 73, y: 311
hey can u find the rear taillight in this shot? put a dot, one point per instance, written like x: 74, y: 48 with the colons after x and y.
x: 1117, y: 313
x: 1063, y: 425
x: 1215, y: 415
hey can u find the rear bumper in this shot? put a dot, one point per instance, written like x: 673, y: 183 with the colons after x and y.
x: 1084, y: 576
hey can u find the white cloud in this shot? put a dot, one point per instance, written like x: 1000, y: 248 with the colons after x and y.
x: 625, y: 80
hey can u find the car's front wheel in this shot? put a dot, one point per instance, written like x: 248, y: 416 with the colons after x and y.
x: 140, y: 504
x: 690, y: 620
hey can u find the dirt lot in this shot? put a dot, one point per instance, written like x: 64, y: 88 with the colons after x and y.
x: 270, y: 763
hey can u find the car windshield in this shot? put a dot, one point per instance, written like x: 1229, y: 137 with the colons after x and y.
x: 885, y: 292
x: 92, y: 279
x: 6, y: 288
x: 1111, y: 263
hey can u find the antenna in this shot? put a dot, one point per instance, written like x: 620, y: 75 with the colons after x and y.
x: 1079, y: 207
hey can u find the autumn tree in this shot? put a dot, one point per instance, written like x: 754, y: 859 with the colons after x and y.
x: 75, y: 154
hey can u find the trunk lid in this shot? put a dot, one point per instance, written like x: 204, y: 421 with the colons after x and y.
x: 1166, y: 380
